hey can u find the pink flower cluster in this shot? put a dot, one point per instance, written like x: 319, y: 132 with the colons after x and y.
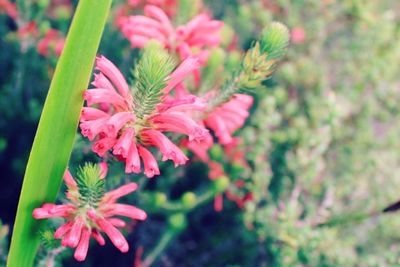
x: 194, y: 38
x: 169, y: 6
x: 84, y: 221
x: 114, y: 126
x: 52, y: 42
x: 229, y: 117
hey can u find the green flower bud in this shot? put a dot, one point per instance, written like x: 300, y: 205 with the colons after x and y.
x: 216, y: 152
x: 220, y: 184
x: 274, y: 40
x: 177, y: 222
x: 159, y: 199
x: 188, y: 200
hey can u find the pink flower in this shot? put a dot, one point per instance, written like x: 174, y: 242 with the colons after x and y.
x: 297, y: 35
x: 85, y: 219
x: 194, y: 38
x: 52, y: 42
x: 9, y: 8
x: 113, y: 126
x: 229, y: 117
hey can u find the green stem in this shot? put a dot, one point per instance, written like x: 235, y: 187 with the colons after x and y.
x: 57, y: 127
x: 165, y: 239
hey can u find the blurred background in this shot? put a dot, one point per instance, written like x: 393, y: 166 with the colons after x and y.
x: 322, y: 146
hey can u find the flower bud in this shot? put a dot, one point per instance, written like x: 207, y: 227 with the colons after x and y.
x: 274, y: 40
x: 188, y: 200
x: 177, y: 222
x: 220, y: 184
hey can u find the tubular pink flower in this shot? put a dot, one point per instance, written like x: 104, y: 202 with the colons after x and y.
x: 62, y: 230
x: 103, y: 169
x: 117, y: 121
x: 167, y: 148
x: 158, y: 14
x: 124, y: 143
x: 52, y: 210
x: 180, y: 123
x: 133, y: 160
x: 92, y: 128
x: 69, y: 180
x: 89, y: 113
x: 74, y: 235
x: 115, y: 236
x: 229, y: 117
x: 98, y: 237
x: 200, y: 149
x: 83, y: 246
x: 101, y: 81
x: 96, y: 96
x: 150, y: 163
x: 182, y: 104
x: 117, y: 222
x: 120, y: 192
x: 127, y: 211
x: 112, y: 72
x: 102, y: 145
x: 181, y: 72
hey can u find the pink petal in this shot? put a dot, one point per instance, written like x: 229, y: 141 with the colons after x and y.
x: 89, y: 114
x: 117, y: 222
x: 74, y: 235
x: 124, y: 142
x: 115, y: 236
x: 69, y: 180
x: 167, y: 148
x: 95, y: 96
x: 159, y: 14
x: 181, y: 72
x: 150, y: 163
x: 83, y: 246
x: 62, y: 230
x: 133, y: 160
x: 112, y: 72
x: 103, y: 169
x: 103, y: 145
x: 120, y: 191
x: 127, y: 211
x: 98, y: 237
x: 117, y: 121
x: 91, y: 129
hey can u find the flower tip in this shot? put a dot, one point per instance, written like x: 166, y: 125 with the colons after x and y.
x: 38, y: 213
x: 124, y: 248
x: 79, y: 256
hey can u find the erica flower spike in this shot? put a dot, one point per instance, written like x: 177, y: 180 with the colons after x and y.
x: 91, y: 211
x: 129, y: 122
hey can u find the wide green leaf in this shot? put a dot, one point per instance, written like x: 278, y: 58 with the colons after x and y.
x: 57, y: 127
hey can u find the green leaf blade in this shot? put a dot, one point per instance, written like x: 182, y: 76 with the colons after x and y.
x: 57, y: 127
